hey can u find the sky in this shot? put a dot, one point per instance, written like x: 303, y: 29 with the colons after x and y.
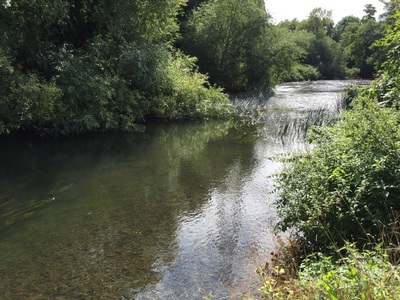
x: 300, y: 9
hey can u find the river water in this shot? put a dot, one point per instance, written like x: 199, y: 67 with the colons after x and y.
x: 178, y: 211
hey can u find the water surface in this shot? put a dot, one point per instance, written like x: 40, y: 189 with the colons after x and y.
x: 179, y: 211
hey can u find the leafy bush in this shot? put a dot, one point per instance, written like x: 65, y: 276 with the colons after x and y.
x: 358, y: 275
x: 145, y: 67
x: 95, y: 96
x: 26, y: 101
x: 301, y: 72
x: 386, y: 87
x: 99, y: 66
x: 28, y: 105
x: 346, y: 188
x: 352, y: 73
x: 190, y: 95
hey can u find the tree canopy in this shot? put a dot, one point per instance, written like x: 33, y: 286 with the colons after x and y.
x: 76, y: 66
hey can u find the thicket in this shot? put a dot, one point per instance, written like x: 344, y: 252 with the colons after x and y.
x: 68, y: 67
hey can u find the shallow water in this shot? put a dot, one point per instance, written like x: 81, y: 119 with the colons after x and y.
x: 179, y: 211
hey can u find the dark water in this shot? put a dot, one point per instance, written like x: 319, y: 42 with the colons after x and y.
x: 179, y: 211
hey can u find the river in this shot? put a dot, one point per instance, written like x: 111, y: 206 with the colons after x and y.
x: 178, y: 211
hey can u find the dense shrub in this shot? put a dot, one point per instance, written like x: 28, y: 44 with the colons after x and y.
x: 358, y: 275
x: 69, y: 67
x: 386, y: 87
x: 228, y: 38
x: 190, y: 95
x: 301, y: 72
x: 346, y: 187
x: 26, y: 101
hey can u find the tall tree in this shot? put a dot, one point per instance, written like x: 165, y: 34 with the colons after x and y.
x: 360, y: 50
x: 319, y: 21
x: 344, y: 27
x: 225, y: 37
x: 324, y: 53
x: 370, y: 12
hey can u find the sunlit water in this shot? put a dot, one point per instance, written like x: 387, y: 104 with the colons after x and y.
x: 179, y: 211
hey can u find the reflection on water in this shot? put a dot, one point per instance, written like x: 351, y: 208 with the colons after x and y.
x: 220, y: 247
x: 125, y: 216
x: 180, y: 211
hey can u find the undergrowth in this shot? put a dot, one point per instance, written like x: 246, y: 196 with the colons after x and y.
x: 356, y: 274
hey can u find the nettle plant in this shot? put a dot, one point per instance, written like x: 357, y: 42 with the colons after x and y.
x: 346, y: 187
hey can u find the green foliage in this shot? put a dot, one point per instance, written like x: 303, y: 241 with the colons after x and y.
x: 322, y: 57
x: 365, y: 275
x: 344, y: 28
x: 34, y: 32
x: 357, y: 37
x: 370, y: 12
x: 346, y: 186
x: 300, y: 72
x: 341, y: 51
x: 233, y: 43
x: 239, y: 48
x: 387, y: 86
x: 152, y: 21
x: 291, y: 47
x: 26, y: 101
x: 358, y: 275
x: 323, y: 53
x: 103, y: 102
x: 190, y: 95
x: 82, y: 66
x: 145, y: 80
x: 319, y: 21
x: 192, y: 4
x: 360, y: 50
x: 327, y: 56
x: 391, y: 7
x: 352, y: 73
x: 145, y: 67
